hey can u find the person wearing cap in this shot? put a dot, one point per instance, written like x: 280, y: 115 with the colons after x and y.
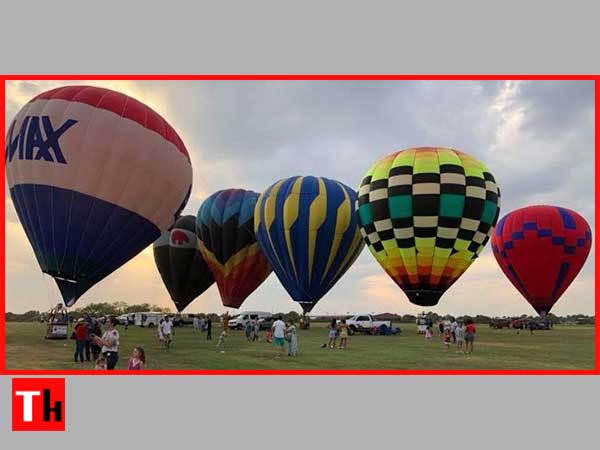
x: 110, y: 343
x: 81, y: 338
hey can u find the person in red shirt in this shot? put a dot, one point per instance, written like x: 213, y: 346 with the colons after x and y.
x: 81, y: 337
x: 469, y: 336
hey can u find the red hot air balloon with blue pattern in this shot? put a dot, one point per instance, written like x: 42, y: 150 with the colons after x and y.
x: 95, y: 177
x: 541, y: 249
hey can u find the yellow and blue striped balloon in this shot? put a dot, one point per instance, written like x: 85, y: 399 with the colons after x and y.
x: 307, y: 229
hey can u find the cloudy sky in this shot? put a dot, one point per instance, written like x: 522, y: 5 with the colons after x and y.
x: 536, y: 137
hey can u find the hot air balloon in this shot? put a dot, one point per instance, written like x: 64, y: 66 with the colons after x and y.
x: 541, y: 249
x: 95, y: 177
x: 180, y: 263
x: 225, y: 231
x: 307, y: 229
x: 426, y: 214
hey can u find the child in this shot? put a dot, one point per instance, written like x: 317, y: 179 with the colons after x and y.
x: 161, y: 338
x: 269, y: 336
x: 459, y: 333
x: 221, y: 343
x: 447, y: 338
x: 343, y: 334
x: 100, y: 363
x: 332, y: 333
x: 137, y: 360
x: 428, y: 333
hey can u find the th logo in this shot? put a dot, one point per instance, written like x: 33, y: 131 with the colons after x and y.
x: 38, y: 404
x: 30, y: 143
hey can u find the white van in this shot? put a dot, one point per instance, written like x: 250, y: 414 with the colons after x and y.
x: 265, y: 319
x: 148, y: 319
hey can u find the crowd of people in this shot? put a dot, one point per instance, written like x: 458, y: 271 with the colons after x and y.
x: 337, y: 330
x: 100, y: 342
x: 282, y: 334
x: 460, y: 334
x: 92, y: 343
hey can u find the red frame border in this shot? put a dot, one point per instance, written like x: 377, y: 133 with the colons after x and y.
x: 594, y: 371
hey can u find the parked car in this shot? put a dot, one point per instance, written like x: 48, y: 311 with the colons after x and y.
x: 126, y: 319
x: 366, y: 324
x: 530, y: 324
x: 498, y: 324
x: 180, y: 320
x: 148, y: 319
x: 265, y: 319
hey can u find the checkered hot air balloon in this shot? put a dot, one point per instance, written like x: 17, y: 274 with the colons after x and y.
x: 307, y: 229
x: 95, y: 177
x: 541, y: 249
x: 426, y: 214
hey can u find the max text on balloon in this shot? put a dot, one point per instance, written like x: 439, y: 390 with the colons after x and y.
x: 30, y: 138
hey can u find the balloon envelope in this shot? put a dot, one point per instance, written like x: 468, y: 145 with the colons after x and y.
x: 180, y: 263
x: 95, y: 177
x: 307, y: 228
x: 426, y: 214
x: 224, y: 226
x: 541, y: 249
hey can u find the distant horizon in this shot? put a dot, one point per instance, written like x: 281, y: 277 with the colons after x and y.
x: 536, y: 137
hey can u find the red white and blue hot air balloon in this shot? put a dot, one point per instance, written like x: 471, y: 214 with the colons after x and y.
x: 95, y: 177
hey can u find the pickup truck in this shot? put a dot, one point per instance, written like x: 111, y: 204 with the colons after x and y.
x: 366, y: 323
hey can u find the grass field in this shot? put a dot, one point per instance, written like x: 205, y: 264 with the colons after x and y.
x: 562, y: 348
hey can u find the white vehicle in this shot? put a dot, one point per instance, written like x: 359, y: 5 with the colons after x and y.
x: 126, y: 319
x: 365, y: 323
x: 265, y: 319
x: 148, y: 319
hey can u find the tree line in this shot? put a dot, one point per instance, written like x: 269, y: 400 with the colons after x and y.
x: 103, y: 309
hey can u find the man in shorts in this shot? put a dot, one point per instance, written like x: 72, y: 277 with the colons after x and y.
x: 167, y: 330
x: 278, y: 329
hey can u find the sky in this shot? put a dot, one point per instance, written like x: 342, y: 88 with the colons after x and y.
x: 536, y: 137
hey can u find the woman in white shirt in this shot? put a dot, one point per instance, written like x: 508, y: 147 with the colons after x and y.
x: 110, y: 343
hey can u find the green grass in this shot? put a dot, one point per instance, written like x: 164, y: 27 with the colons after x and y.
x: 565, y: 347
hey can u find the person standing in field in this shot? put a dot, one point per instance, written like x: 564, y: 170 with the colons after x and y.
x: 81, y: 338
x: 428, y: 332
x: 343, y: 334
x: 459, y: 334
x: 195, y: 324
x: 137, y: 359
x: 249, y: 328
x: 221, y: 343
x: 292, y: 339
x: 469, y: 336
x: 447, y: 338
x: 278, y: 328
x: 96, y: 349
x: 441, y: 328
x: 159, y: 333
x: 453, y: 326
x: 225, y: 322
x: 332, y: 333
x: 209, y: 329
x: 256, y: 329
x: 167, y: 331
x: 110, y: 343
x: 91, y: 325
